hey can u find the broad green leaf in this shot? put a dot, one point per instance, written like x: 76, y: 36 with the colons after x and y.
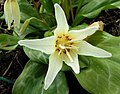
x: 102, y: 75
x: 98, y: 37
x: 36, y: 56
x: 80, y: 5
x: 93, y: 14
x: 78, y: 27
x: 48, y: 19
x: 8, y: 42
x: 31, y: 81
x: 92, y: 8
x: 39, y: 24
x: 37, y: 21
x: 24, y: 7
x: 95, y: 4
x: 116, y: 4
x: 48, y: 34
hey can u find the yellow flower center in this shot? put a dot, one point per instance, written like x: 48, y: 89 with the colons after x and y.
x: 64, y: 44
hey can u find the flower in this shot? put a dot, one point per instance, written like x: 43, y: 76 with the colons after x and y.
x: 12, y: 12
x: 65, y: 46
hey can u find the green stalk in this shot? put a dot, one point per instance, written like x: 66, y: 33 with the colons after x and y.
x: 71, y: 9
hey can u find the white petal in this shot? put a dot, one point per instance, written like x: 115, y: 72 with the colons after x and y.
x: 55, y: 65
x: 89, y: 50
x: 45, y: 45
x: 16, y: 12
x: 8, y: 13
x: 75, y: 64
x: 62, y: 25
x: 83, y: 33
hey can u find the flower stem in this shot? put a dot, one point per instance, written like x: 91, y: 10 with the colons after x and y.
x: 71, y: 10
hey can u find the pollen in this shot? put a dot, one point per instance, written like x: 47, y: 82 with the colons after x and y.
x: 63, y: 44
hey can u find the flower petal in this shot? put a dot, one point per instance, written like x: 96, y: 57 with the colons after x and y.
x: 55, y: 65
x: 100, y: 24
x: 62, y: 25
x: 8, y: 13
x: 45, y: 45
x: 75, y: 64
x: 82, y: 34
x: 15, y: 12
x: 89, y: 50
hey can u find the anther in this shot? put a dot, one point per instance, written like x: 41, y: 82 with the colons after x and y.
x: 59, y: 36
x: 71, y: 43
x: 67, y: 37
x: 56, y: 41
x: 55, y: 45
x: 68, y: 50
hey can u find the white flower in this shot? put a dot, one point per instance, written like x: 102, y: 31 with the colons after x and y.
x: 12, y: 12
x: 65, y: 46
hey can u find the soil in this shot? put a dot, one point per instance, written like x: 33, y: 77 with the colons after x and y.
x: 111, y: 20
x: 11, y: 65
x: 13, y: 62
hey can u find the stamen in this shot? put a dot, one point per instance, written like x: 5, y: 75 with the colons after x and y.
x: 69, y: 56
x: 62, y: 47
x: 73, y: 40
x: 70, y: 47
x: 60, y: 52
x: 74, y: 47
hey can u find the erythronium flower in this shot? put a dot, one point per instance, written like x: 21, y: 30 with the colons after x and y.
x: 65, y: 46
x: 12, y: 12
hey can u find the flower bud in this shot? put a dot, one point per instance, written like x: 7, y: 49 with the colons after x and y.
x: 12, y: 13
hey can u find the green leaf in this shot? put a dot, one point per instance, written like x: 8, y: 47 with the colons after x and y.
x: 8, y: 42
x: 49, y: 19
x: 36, y: 56
x: 92, y: 8
x: 56, y: 1
x: 78, y: 27
x: 39, y: 24
x: 31, y: 81
x: 66, y: 7
x: 37, y: 21
x: 48, y: 5
x: 98, y: 37
x: 24, y: 7
x: 80, y: 5
x: 116, y: 4
x: 101, y: 75
x: 23, y: 32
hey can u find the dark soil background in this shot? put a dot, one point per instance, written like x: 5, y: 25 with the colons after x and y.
x: 13, y: 62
